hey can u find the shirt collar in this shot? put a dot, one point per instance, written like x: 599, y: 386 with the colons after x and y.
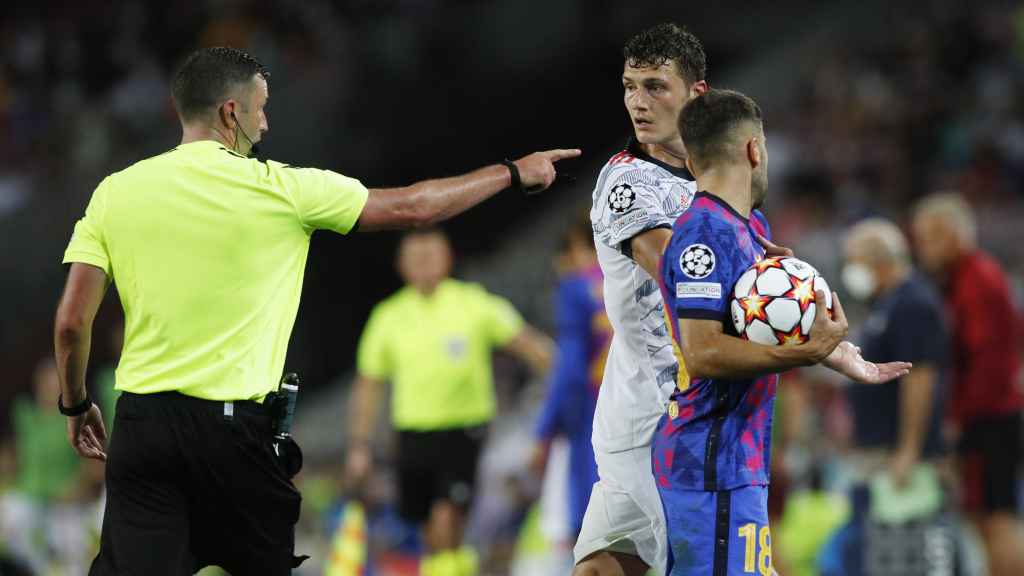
x: 634, y: 148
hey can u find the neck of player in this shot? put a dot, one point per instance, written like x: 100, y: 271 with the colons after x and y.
x: 672, y: 153
x: 197, y: 132
x: 731, y: 184
x: 427, y: 288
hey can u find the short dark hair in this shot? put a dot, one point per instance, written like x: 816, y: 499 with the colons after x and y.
x: 707, y: 121
x: 208, y: 75
x: 668, y: 42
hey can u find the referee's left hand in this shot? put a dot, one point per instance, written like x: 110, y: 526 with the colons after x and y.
x: 87, y: 434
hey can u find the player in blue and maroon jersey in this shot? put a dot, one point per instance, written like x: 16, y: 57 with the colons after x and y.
x: 584, y: 334
x: 711, y: 451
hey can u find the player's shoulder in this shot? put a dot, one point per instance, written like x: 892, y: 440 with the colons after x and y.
x: 983, y: 268
x: 622, y: 160
x: 625, y: 182
x: 454, y: 285
x: 466, y: 293
x: 705, y: 209
x: 920, y: 294
x: 388, y: 304
x: 131, y: 177
x: 573, y: 285
x: 625, y: 167
x: 705, y: 227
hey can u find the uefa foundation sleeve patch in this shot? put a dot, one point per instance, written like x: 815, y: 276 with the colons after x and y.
x: 711, y: 290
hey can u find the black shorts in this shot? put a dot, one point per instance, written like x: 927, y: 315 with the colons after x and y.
x: 188, y: 487
x: 990, y: 454
x: 434, y: 466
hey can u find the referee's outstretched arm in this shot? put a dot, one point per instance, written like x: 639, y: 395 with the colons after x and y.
x: 431, y: 201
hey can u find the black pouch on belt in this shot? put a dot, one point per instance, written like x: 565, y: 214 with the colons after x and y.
x: 289, y: 454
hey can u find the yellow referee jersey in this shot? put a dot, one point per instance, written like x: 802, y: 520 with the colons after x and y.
x: 208, y: 249
x: 436, y: 351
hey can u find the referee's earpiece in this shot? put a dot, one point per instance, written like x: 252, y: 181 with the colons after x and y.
x: 253, y: 147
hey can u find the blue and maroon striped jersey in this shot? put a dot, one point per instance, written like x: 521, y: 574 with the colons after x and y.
x: 717, y: 433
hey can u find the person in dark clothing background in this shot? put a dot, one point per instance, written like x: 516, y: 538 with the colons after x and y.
x: 985, y: 406
x: 897, y: 436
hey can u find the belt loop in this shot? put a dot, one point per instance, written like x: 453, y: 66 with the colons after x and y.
x: 229, y: 411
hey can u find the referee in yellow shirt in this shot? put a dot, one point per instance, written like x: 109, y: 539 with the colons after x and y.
x: 207, y: 248
x: 433, y: 341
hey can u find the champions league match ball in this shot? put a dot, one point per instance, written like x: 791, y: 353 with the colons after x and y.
x: 773, y: 301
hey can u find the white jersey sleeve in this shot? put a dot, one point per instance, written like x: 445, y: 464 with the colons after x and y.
x: 633, y: 197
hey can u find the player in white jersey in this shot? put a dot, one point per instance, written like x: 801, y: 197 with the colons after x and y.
x: 639, y: 194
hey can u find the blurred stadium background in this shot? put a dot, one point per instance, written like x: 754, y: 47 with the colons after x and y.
x: 869, y: 106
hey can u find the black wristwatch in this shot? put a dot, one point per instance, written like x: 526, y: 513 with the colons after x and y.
x: 76, y: 410
x: 517, y: 183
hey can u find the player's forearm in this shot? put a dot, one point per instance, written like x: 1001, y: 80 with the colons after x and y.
x: 534, y: 348
x: 71, y: 343
x: 363, y: 408
x: 834, y: 360
x: 431, y: 201
x: 72, y: 328
x: 728, y: 357
x: 916, y: 391
x: 446, y: 197
x: 548, y: 421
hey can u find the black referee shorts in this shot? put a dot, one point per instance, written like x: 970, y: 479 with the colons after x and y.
x: 188, y: 487
x: 437, y: 465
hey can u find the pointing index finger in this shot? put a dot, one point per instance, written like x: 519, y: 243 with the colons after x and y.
x: 556, y: 155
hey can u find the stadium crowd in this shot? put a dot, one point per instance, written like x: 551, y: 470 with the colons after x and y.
x: 870, y: 127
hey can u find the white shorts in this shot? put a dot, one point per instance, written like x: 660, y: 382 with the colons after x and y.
x: 625, y: 512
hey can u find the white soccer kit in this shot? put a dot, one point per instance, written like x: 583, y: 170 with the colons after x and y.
x: 634, y: 193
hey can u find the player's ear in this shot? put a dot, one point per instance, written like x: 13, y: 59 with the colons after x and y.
x: 227, y: 113
x: 224, y: 115
x: 754, y: 152
x: 698, y: 88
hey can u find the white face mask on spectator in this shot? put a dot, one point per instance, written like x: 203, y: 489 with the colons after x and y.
x: 859, y: 280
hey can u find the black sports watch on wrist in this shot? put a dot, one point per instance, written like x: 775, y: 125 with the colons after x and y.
x: 517, y: 183
x: 76, y: 410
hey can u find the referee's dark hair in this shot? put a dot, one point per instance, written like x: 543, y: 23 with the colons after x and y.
x: 208, y: 76
x: 707, y: 122
x: 668, y: 42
